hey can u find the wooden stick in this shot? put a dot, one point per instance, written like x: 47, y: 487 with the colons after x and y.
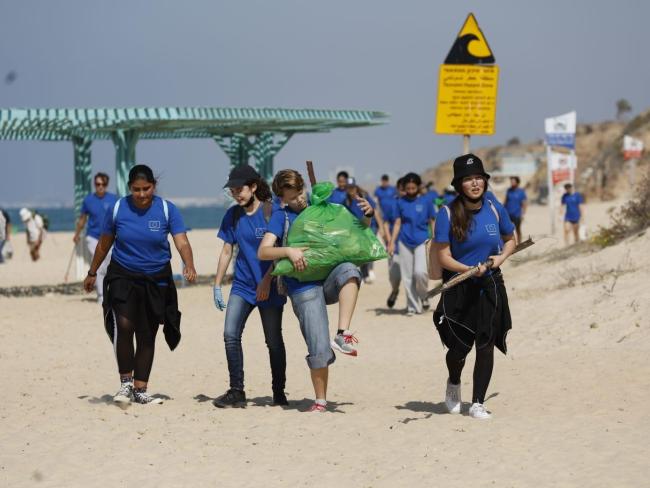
x: 472, y: 272
x: 67, y: 271
x: 310, y: 173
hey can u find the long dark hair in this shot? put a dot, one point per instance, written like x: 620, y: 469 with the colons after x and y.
x: 412, y: 178
x: 263, y: 191
x: 461, y: 217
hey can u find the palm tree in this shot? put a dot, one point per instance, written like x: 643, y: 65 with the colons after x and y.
x: 622, y: 107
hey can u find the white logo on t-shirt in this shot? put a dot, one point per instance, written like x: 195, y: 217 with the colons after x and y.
x: 491, y: 229
x: 419, y: 208
x: 259, y: 232
x: 154, y: 225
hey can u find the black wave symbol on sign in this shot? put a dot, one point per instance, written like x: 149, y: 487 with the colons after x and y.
x: 459, y: 53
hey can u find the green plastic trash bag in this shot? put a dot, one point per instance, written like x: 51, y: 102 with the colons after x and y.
x: 332, y: 235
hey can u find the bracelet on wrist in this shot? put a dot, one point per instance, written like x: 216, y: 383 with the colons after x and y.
x: 91, y: 274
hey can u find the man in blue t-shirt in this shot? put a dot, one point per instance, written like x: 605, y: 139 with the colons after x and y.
x: 573, y: 213
x: 385, y: 193
x: 516, y: 204
x: 93, y: 211
x: 340, y: 193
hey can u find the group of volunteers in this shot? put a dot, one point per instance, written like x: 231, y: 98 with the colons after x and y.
x: 132, y: 256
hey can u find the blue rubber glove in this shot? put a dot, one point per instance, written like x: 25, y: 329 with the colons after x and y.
x: 218, y: 298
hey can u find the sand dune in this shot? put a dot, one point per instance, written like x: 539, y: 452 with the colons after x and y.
x: 568, y: 400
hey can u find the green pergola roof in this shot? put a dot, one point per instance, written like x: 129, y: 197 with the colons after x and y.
x: 58, y: 124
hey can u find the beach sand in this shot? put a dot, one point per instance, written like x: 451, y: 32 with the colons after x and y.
x: 568, y: 401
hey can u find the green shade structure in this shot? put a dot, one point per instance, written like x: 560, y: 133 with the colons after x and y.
x: 243, y: 133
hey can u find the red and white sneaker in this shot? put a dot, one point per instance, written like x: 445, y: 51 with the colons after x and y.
x: 317, y: 408
x: 344, y: 343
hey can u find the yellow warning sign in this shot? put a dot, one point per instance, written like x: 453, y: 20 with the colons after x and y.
x: 470, y: 46
x: 467, y: 99
x: 467, y: 85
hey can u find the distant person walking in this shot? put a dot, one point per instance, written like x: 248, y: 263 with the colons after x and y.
x: 244, y: 225
x: 6, y: 250
x: 394, y: 273
x: 385, y: 193
x: 573, y: 213
x: 340, y: 192
x: 414, y: 218
x: 93, y: 212
x: 139, y: 291
x: 35, y: 231
x: 516, y: 204
x: 469, y: 232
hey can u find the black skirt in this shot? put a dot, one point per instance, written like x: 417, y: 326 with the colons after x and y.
x: 475, y: 311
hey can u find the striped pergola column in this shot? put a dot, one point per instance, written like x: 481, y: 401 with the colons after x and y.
x: 236, y: 147
x: 265, y: 147
x: 125, y: 142
x: 82, y: 171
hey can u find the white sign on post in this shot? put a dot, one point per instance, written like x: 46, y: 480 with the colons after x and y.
x: 632, y: 148
x: 561, y: 130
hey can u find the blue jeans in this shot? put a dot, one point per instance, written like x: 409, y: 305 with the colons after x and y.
x: 237, y: 313
x: 310, y: 307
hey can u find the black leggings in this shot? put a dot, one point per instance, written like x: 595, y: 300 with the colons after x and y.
x: 131, y: 320
x: 482, y: 369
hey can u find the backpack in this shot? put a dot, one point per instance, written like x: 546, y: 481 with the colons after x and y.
x: 433, y: 264
x: 44, y: 218
x: 267, y: 209
x: 165, y: 209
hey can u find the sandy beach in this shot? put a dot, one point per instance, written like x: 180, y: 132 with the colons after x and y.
x: 567, y: 401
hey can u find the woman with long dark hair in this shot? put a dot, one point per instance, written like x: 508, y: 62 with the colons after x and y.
x: 244, y: 225
x: 414, y: 217
x: 472, y: 231
x: 139, y: 291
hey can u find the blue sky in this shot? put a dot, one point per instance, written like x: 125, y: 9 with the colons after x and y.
x: 369, y: 54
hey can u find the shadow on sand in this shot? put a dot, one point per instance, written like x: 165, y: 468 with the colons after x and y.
x: 267, y: 401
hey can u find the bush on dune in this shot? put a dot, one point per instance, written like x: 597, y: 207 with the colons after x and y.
x: 631, y: 218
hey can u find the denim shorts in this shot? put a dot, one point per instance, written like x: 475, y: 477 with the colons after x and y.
x: 310, y: 307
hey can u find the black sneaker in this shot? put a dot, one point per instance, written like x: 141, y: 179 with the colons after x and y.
x: 231, y: 399
x: 280, y: 399
x: 392, y: 298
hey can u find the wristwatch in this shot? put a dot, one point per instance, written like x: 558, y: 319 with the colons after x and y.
x: 90, y: 273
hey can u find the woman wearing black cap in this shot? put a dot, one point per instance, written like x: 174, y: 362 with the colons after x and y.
x: 253, y: 286
x: 139, y: 292
x: 468, y: 232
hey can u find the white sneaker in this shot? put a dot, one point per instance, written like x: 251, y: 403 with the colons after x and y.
x: 344, y: 343
x: 452, y: 398
x: 478, y: 411
x: 125, y: 394
x: 372, y: 276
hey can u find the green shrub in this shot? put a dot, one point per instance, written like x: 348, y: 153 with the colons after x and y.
x: 631, y: 218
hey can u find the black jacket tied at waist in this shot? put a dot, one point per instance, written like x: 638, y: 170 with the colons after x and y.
x: 474, y: 311
x: 161, y: 301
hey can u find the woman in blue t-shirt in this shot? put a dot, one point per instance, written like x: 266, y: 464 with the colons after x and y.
x: 469, y: 232
x: 139, y: 291
x: 414, y: 217
x: 573, y: 202
x: 309, y: 299
x: 244, y: 225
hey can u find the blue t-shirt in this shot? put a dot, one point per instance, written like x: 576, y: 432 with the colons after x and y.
x: 276, y: 227
x: 249, y: 270
x: 338, y: 196
x: 448, y: 198
x: 483, y: 237
x: 572, y: 202
x: 354, y: 208
x: 515, y: 198
x: 385, y: 195
x: 141, y: 242
x: 95, y: 208
x: 415, y: 214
